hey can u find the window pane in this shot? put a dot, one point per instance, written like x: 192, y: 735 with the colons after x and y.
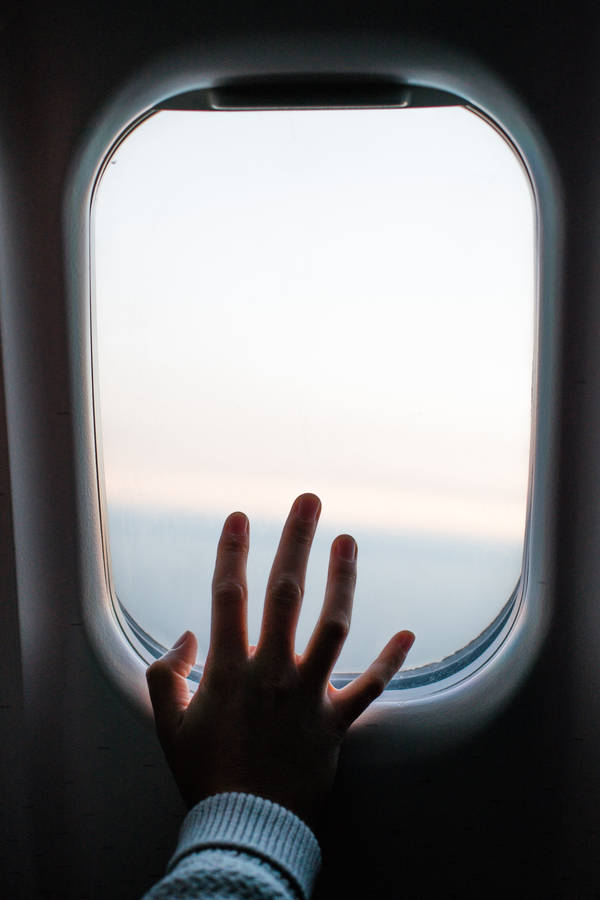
x: 335, y: 301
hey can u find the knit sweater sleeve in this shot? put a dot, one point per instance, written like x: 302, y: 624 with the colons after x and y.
x: 240, y: 847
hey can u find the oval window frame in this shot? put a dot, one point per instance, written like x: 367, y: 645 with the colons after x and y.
x: 478, y: 680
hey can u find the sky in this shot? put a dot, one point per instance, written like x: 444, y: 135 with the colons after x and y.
x: 335, y: 301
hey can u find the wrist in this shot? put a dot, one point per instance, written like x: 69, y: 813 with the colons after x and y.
x: 255, y: 825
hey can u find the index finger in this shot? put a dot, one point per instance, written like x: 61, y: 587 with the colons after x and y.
x: 228, y: 627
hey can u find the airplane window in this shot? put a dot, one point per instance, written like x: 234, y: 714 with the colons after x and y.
x: 338, y: 301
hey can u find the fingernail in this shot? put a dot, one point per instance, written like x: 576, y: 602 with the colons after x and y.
x: 407, y: 641
x: 308, y: 507
x: 180, y: 641
x: 237, y: 524
x: 346, y: 547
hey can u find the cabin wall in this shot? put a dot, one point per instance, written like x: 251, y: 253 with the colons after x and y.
x: 90, y: 807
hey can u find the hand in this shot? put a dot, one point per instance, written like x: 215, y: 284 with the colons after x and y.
x: 264, y: 720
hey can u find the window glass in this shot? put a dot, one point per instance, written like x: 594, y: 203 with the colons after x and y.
x: 332, y: 301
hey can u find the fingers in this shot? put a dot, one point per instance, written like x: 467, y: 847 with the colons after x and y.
x: 228, y: 630
x: 353, y: 699
x: 286, y: 581
x: 332, y: 628
x: 167, y: 684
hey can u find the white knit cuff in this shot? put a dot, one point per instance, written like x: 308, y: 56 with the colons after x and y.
x: 254, y: 825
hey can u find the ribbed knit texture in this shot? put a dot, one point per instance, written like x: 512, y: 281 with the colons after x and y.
x: 239, y: 845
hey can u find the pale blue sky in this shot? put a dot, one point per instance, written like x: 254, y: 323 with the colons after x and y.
x: 332, y: 301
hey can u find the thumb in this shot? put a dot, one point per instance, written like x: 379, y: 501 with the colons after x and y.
x: 167, y: 684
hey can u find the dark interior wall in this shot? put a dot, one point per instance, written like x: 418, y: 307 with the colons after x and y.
x: 513, y: 811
